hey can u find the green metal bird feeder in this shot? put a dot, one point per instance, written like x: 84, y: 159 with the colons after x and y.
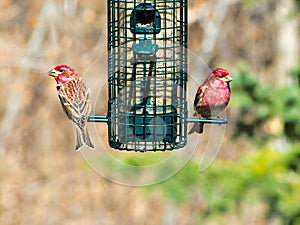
x: 147, y: 75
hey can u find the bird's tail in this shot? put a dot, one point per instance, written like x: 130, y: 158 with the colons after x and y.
x: 198, y: 128
x: 87, y: 139
x: 79, y: 141
x: 83, y: 137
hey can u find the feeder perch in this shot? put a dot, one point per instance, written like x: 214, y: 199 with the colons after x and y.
x: 147, y: 75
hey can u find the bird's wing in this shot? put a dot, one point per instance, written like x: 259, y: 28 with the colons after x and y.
x: 199, y: 95
x: 76, y: 111
x: 78, y: 106
x: 66, y: 106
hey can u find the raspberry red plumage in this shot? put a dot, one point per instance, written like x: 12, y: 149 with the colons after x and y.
x: 212, y: 96
x: 75, y: 101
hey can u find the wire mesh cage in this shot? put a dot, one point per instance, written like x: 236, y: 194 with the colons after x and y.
x: 147, y: 74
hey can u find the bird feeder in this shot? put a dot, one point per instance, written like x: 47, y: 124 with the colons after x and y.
x: 147, y: 75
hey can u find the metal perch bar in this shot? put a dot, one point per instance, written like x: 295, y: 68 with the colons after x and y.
x: 104, y: 119
x: 100, y: 119
x: 198, y: 120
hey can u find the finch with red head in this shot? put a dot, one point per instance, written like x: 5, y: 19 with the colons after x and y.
x: 75, y: 101
x: 212, y: 97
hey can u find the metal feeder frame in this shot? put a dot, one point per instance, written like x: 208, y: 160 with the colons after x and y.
x: 147, y: 75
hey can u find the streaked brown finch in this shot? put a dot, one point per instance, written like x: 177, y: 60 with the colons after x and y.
x: 212, y: 97
x: 75, y: 101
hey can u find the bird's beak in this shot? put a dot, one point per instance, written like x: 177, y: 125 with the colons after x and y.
x: 228, y: 78
x: 53, y: 73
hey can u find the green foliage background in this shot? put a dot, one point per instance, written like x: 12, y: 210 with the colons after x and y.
x: 270, y: 177
x: 260, y: 102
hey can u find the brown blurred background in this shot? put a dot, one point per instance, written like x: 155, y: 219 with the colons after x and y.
x: 42, y: 179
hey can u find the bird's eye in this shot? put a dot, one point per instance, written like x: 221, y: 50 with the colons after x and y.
x: 61, y: 70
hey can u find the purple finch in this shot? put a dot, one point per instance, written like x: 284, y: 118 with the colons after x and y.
x: 212, y: 97
x: 74, y: 97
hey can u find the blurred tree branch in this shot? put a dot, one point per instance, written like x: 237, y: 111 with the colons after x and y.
x: 15, y: 99
x: 211, y: 27
x: 288, y: 42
